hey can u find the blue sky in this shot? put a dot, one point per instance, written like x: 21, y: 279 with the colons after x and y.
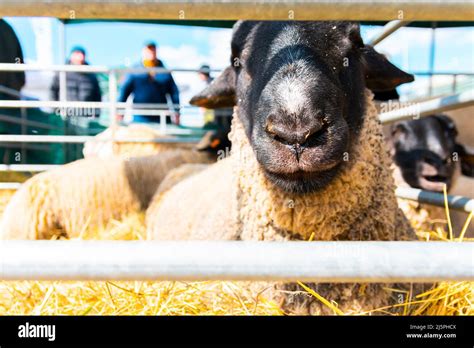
x: 115, y: 43
x: 118, y: 44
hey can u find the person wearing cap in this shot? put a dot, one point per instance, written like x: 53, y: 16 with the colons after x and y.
x: 151, y: 87
x: 79, y: 86
x: 221, y: 117
x: 204, y: 75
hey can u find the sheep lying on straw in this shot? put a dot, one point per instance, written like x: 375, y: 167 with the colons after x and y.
x: 87, y: 194
x: 308, y: 158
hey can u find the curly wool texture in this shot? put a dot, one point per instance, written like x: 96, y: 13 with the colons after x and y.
x: 234, y: 200
x: 87, y: 194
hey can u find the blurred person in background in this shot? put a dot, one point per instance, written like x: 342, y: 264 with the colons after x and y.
x: 10, y: 52
x: 217, y: 118
x: 151, y: 87
x: 204, y: 75
x: 80, y: 86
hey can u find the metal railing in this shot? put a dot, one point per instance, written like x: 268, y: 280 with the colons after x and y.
x: 388, y: 29
x: 226, y: 260
x: 114, y: 107
x: 441, y: 104
x: 372, y: 10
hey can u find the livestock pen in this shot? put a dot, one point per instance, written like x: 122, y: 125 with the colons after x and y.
x: 142, y: 277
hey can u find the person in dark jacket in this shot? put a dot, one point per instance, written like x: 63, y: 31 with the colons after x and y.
x: 151, y: 88
x: 79, y: 86
x: 10, y: 52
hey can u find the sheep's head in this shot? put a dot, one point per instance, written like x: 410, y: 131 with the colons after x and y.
x: 427, y: 153
x: 299, y: 87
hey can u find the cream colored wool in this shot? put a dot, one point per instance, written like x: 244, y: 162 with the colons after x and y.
x: 106, y: 149
x: 87, y: 194
x: 234, y: 200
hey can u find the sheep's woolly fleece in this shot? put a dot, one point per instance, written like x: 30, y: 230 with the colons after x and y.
x: 234, y: 200
x: 86, y: 194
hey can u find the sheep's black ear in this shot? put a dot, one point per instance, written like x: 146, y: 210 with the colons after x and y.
x: 466, y: 156
x: 380, y: 74
x: 219, y: 94
x: 448, y: 124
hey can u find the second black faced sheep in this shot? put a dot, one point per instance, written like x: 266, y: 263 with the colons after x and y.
x: 428, y: 156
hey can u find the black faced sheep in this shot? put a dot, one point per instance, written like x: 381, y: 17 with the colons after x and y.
x: 427, y: 156
x: 308, y: 155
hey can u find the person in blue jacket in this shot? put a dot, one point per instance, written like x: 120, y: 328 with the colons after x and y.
x: 148, y: 88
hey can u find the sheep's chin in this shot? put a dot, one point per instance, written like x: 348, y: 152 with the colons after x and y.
x: 303, y: 182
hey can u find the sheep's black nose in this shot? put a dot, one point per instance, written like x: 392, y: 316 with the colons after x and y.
x: 290, y: 134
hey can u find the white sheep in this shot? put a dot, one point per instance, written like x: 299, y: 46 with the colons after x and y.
x: 87, y: 194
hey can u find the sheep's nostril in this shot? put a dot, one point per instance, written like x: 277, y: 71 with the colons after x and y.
x: 312, y: 137
x: 280, y: 133
x: 302, y: 136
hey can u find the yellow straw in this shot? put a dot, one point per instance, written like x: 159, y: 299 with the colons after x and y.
x: 446, y: 207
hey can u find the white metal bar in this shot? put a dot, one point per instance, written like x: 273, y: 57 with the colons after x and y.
x: 77, y: 104
x: 62, y: 73
x: 15, y: 120
x: 454, y: 202
x: 195, y: 261
x: 91, y: 68
x: 388, y: 29
x: 10, y: 185
x: 429, y: 107
x: 27, y: 167
x: 16, y: 138
x: 113, y: 103
x: 249, y: 9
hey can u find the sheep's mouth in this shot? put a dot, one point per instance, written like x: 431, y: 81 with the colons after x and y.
x: 301, y: 181
x: 434, y: 182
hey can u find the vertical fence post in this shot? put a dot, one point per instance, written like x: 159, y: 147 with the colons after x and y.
x: 432, y: 57
x: 113, y: 105
x: 63, y: 83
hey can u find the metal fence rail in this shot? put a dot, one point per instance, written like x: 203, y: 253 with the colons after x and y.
x: 10, y: 185
x: 248, y: 9
x: 460, y: 203
x: 429, y: 107
x: 26, y: 168
x: 225, y: 260
x: 6, y: 138
x: 388, y: 29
